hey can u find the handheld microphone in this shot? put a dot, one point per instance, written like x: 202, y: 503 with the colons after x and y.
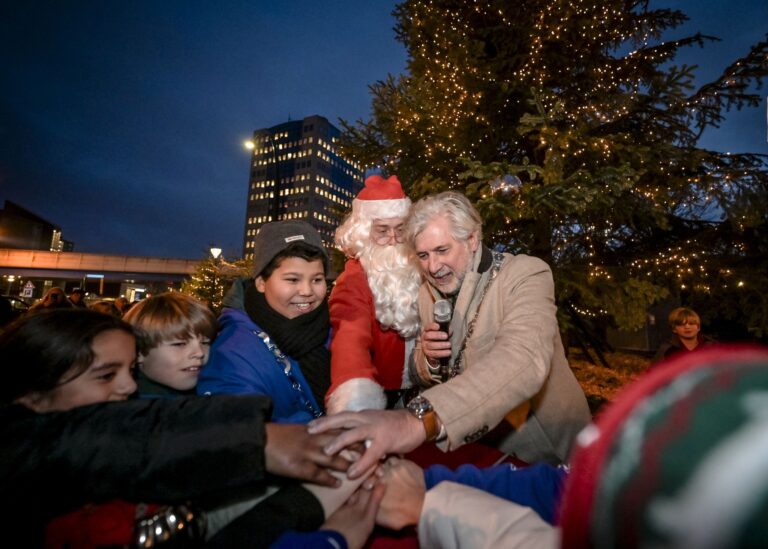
x: 442, y: 312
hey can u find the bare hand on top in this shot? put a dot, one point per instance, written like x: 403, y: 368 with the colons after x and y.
x: 383, y: 431
x: 293, y: 452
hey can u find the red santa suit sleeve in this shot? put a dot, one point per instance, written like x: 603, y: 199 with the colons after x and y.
x: 365, y: 359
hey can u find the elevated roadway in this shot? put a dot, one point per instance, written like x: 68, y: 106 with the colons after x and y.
x: 37, y: 270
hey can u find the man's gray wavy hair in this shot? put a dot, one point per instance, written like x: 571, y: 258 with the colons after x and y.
x: 461, y: 214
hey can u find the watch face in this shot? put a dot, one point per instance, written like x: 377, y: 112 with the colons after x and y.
x: 419, y: 406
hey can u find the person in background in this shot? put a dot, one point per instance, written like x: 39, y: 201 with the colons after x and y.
x: 122, y: 305
x: 54, y: 298
x: 77, y: 298
x: 275, y: 329
x: 686, y: 334
x: 70, y: 437
x: 373, y: 303
x: 105, y: 306
x: 505, y: 359
x: 174, y: 335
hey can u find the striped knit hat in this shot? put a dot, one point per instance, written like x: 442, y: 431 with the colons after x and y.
x: 679, y: 460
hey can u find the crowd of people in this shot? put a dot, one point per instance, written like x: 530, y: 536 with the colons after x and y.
x: 427, y: 393
x: 56, y: 298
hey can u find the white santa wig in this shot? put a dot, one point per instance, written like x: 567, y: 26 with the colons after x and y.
x: 393, y: 278
x: 380, y: 199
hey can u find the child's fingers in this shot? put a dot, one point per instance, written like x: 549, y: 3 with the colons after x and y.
x: 374, y: 500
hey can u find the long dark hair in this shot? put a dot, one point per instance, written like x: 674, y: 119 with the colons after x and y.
x: 38, y: 350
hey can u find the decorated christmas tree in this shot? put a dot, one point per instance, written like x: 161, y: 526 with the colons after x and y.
x: 212, y: 278
x: 575, y: 133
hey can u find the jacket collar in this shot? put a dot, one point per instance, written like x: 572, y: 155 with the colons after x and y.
x: 235, y: 297
x: 486, y: 259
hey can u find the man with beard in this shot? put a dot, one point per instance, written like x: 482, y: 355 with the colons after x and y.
x: 506, y: 366
x: 373, y: 304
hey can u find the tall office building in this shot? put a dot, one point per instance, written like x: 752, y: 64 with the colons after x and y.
x: 297, y: 173
x: 22, y: 229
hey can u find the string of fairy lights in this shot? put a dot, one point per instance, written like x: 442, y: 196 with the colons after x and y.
x: 445, y: 72
x: 462, y: 95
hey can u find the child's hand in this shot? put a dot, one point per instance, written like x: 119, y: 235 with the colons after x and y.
x: 355, y: 519
x: 405, y: 493
x: 292, y: 452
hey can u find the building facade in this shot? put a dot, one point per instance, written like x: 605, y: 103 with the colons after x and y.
x: 297, y: 173
x: 23, y: 229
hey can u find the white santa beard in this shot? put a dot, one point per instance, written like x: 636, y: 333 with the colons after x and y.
x: 394, y: 282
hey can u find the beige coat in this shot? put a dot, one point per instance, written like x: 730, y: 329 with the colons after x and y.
x: 455, y: 516
x: 514, y: 356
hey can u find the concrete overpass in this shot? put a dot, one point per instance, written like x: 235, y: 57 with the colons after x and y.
x: 60, y: 267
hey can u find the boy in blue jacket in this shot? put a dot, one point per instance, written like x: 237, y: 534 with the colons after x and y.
x: 275, y: 327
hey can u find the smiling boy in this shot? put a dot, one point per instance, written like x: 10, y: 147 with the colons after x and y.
x: 175, y: 333
x: 275, y: 327
x: 686, y: 334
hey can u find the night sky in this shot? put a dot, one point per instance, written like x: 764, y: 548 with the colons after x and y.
x: 123, y: 122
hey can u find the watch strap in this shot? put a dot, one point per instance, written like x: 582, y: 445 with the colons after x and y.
x: 431, y: 425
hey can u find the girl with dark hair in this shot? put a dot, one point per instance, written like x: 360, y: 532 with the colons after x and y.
x: 65, y: 447
x: 59, y: 359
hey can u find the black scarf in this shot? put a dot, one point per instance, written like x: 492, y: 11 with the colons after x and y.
x: 302, y: 338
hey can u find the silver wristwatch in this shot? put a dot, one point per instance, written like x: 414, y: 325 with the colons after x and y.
x: 418, y: 406
x: 422, y: 409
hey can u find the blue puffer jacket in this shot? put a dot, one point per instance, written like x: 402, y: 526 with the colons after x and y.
x: 538, y: 486
x: 241, y: 363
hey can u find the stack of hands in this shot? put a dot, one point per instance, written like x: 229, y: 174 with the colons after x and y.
x: 360, y: 444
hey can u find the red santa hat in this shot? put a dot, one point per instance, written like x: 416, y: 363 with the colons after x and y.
x: 381, y: 199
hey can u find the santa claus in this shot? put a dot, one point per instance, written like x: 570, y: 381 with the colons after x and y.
x: 373, y: 305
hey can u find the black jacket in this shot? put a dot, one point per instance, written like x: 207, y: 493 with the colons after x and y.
x: 206, y: 449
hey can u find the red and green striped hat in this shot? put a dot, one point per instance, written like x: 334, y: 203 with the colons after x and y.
x: 680, y: 459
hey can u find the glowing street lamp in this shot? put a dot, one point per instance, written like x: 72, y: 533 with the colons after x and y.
x: 217, y: 290
x: 11, y: 279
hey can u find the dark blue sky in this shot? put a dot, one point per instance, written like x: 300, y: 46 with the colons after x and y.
x: 123, y: 122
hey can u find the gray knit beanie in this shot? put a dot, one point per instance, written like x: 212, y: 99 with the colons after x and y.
x: 275, y: 237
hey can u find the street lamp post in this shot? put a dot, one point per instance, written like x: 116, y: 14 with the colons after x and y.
x: 217, y: 295
x: 11, y: 279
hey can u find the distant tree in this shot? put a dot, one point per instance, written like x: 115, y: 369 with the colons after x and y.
x: 573, y: 131
x: 212, y: 278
